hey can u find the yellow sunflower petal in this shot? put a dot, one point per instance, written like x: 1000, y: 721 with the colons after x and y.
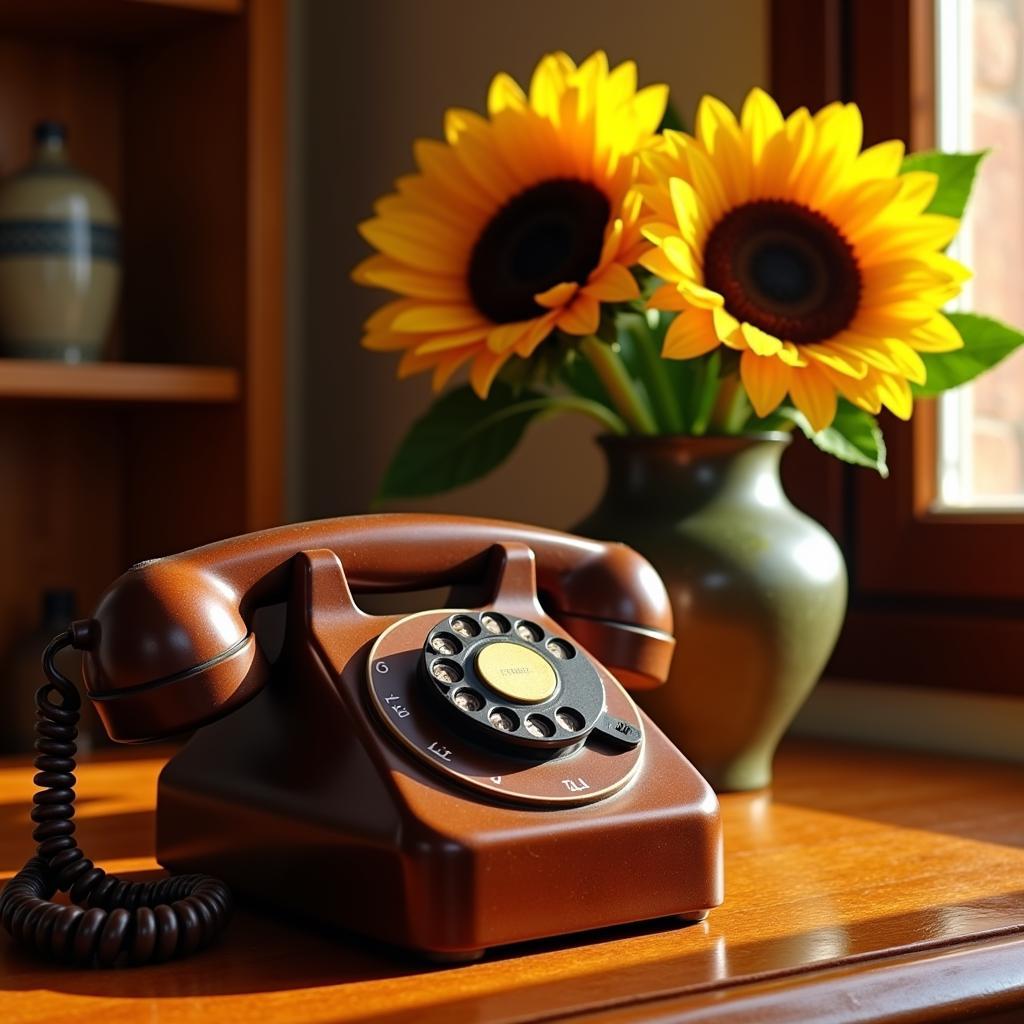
x: 837, y: 358
x: 766, y: 381
x: 666, y: 296
x: 431, y: 317
x: 888, y: 241
x: 882, y: 160
x: 506, y: 336
x: 649, y: 106
x: 614, y: 284
x: 486, y: 365
x: 383, y: 272
x: 582, y: 317
x: 447, y: 340
x: 383, y: 319
x: 557, y: 296
x: 541, y: 328
x: 760, y: 120
x: 698, y: 295
x: 896, y: 395
x: 690, y: 334
x: 907, y: 361
x: 682, y: 258
x: 814, y: 396
x: 726, y: 326
x: 917, y: 189
x: 414, y: 252
x: 862, y: 393
x: 504, y: 92
x: 658, y: 263
x: 938, y: 335
x: 759, y: 342
x: 447, y: 365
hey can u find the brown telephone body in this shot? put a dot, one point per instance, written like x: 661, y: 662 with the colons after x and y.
x: 447, y: 781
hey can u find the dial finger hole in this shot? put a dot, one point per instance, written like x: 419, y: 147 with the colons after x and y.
x: 468, y: 700
x: 539, y: 726
x: 465, y: 627
x: 503, y: 720
x: 571, y: 721
x: 528, y: 631
x: 445, y: 643
x: 446, y: 671
x: 494, y: 623
x: 560, y: 650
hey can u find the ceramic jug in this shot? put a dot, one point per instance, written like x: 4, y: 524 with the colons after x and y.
x: 59, y: 257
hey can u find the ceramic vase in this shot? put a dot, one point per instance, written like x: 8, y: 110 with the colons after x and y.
x: 758, y: 591
x: 59, y: 257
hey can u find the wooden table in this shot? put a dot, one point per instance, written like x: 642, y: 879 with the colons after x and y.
x: 871, y: 885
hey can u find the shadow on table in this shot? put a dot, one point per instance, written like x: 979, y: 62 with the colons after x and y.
x: 103, y: 837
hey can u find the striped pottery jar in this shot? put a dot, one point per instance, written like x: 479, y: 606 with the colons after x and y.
x: 60, y: 267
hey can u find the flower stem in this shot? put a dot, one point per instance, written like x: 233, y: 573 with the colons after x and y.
x: 732, y: 407
x: 611, y: 421
x: 625, y: 395
x: 705, y: 391
x: 663, y: 398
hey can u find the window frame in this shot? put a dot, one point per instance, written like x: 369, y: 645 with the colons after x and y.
x: 936, y: 597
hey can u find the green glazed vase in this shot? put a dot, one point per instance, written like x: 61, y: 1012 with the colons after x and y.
x: 758, y: 590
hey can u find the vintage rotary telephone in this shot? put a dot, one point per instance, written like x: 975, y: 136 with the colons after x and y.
x: 448, y: 780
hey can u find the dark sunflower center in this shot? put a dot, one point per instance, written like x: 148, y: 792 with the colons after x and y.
x: 783, y: 268
x: 548, y: 234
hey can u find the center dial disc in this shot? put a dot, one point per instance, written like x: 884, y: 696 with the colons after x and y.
x: 516, y: 672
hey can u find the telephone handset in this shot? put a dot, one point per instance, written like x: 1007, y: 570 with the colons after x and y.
x: 448, y: 780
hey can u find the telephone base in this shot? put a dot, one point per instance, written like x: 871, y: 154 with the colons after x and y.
x: 443, y: 874
x: 462, y: 956
x: 694, y: 916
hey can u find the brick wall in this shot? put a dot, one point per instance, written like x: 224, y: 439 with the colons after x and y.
x: 997, y: 254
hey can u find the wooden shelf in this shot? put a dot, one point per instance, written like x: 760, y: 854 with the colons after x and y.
x: 117, y: 382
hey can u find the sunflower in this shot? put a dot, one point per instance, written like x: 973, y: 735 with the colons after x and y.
x: 520, y: 223
x: 816, y: 262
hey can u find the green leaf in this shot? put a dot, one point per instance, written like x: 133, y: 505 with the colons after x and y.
x: 956, y: 173
x: 853, y: 436
x: 986, y: 342
x: 460, y: 439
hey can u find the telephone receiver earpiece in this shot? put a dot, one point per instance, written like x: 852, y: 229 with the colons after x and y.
x: 171, y: 647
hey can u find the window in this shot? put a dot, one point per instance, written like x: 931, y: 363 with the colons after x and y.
x: 980, y: 105
x: 936, y: 552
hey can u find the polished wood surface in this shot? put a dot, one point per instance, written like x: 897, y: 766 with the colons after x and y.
x: 870, y: 886
x: 117, y: 382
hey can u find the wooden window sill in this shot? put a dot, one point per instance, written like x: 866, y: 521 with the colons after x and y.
x: 871, y: 885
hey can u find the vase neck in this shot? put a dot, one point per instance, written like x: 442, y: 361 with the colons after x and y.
x: 50, y: 146
x: 678, y: 475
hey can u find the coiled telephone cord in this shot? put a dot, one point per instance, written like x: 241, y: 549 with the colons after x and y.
x: 111, y: 921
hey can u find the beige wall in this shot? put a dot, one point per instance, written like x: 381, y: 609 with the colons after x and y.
x: 369, y: 78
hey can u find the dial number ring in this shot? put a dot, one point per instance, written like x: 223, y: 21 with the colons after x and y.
x: 404, y: 702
